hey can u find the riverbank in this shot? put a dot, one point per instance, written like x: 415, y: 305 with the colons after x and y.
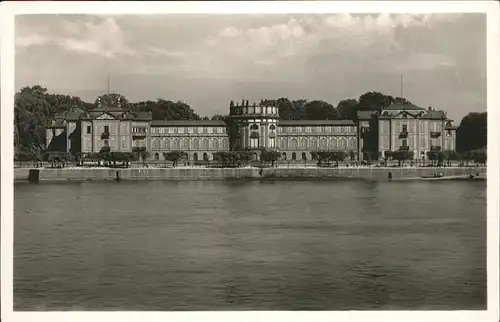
x: 194, y: 173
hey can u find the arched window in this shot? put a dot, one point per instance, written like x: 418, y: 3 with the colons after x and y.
x: 176, y: 144
x: 272, y: 140
x: 254, y: 127
x: 272, y: 127
x: 156, y: 144
x: 322, y: 143
x: 254, y: 139
x: 341, y: 142
x: 225, y: 144
x: 186, y: 144
x: 195, y: 156
x: 204, y: 144
x: 294, y: 143
x: 157, y: 156
x: 196, y: 144
x: 314, y: 144
x: 332, y: 144
x: 205, y: 156
x: 304, y: 156
x: 294, y: 156
x: 166, y: 144
x: 283, y: 155
x: 303, y: 143
x: 284, y: 143
x: 215, y: 144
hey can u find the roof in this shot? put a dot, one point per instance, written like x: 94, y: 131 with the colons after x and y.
x: 316, y: 122
x: 57, y: 124
x: 122, y: 114
x: 365, y: 115
x: 422, y: 114
x: 188, y: 123
x: 74, y: 114
x: 402, y: 106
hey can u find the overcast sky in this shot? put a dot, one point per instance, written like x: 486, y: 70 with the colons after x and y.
x: 207, y: 60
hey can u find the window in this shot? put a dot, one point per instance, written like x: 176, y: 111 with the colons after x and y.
x: 405, y: 128
x: 157, y: 156
x: 254, y: 140
x: 53, y: 132
x: 254, y: 127
x: 106, y: 128
x: 304, y: 156
x: 272, y: 127
x: 88, y: 129
x: 106, y: 143
x: 405, y: 142
x: 294, y: 156
x: 272, y: 142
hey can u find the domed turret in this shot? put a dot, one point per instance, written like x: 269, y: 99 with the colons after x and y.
x: 247, y: 109
x: 257, y: 123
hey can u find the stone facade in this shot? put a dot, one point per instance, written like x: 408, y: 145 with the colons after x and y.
x: 251, y: 126
x: 407, y: 127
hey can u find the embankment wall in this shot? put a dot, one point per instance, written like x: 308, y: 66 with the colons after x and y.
x: 177, y: 174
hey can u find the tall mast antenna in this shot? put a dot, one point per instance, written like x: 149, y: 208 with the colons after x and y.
x: 401, y: 94
x: 108, y: 86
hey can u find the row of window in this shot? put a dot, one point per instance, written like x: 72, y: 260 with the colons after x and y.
x: 256, y: 110
x: 205, y: 144
x: 189, y: 130
x: 422, y: 125
x: 318, y: 129
x: 323, y: 143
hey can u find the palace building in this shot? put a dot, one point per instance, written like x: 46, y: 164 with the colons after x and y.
x: 250, y: 126
x: 406, y: 127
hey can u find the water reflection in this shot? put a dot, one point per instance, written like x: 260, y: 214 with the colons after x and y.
x: 250, y: 246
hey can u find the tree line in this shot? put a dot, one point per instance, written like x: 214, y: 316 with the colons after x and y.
x: 34, y: 107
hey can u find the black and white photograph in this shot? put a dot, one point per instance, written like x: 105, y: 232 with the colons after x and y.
x: 250, y: 161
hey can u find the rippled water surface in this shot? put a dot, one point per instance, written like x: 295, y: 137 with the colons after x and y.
x: 250, y: 246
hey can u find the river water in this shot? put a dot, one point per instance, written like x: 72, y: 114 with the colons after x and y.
x: 247, y: 245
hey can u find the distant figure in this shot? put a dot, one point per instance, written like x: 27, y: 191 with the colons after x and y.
x: 389, y: 176
x: 117, y: 176
x: 260, y: 172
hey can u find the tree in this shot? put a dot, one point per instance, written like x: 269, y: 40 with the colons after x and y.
x: 269, y: 156
x: 375, y: 101
x: 174, y: 157
x: 472, y: 132
x: 111, y: 99
x: 320, y: 110
x: 402, y: 156
x: 31, y: 115
x: 352, y: 156
x: 433, y: 156
x: 450, y: 155
x: 229, y: 159
x: 168, y: 110
x: 233, y: 132
x: 144, y: 155
x: 479, y: 156
x: 218, y: 117
x: 467, y: 156
x: 348, y: 109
